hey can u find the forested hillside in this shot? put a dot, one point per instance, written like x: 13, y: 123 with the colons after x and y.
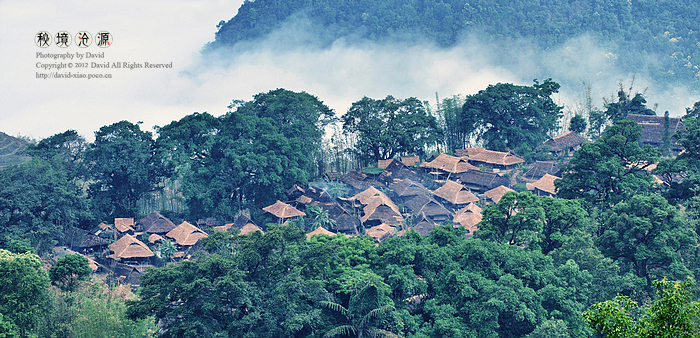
x: 658, y: 37
x: 9, y: 150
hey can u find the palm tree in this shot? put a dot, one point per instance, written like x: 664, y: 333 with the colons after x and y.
x: 365, y: 311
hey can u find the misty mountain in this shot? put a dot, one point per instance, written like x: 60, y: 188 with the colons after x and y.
x: 655, y: 37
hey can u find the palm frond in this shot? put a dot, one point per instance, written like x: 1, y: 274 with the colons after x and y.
x: 335, y: 307
x: 382, y: 333
x: 376, y: 313
x: 343, y: 330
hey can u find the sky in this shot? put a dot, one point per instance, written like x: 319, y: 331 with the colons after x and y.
x: 176, y: 31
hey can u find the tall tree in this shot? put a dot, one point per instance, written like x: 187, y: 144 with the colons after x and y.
x: 23, y: 290
x: 515, y: 220
x: 389, y: 127
x: 506, y: 116
x: 611, y: 169
x: 124, y: 166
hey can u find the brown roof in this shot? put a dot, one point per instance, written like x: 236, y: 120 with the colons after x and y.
x: 154, y: 238
x: 380, y: 232
x: 471, y: 207
x: 455, y: 193
x: 450, y: 164
x: 186, y: 234
x: 250, y: 227
x: 653, y: 127
x: 283, y: 210
x: 225, y: 227
x: 130, y: 247
x: 90, y: 241
x: 319, y: 231
x: 565, y: 141
x: 484, y: 180
x: 383, y: 163
x: 382, y: 209
x: 540, y: 168
x: 410, y: 161
x: 423, y: 224
x: 398, y: 170
x: 495, y: 194
x: 156, y: 223
x: 546, y: 184
x: 241, y: 221
x: 124, y: 224
x: 489, y: 156
x: 347, y: 223
x: 428, y: 206
x: 408, y: 188
x: 358, y: 180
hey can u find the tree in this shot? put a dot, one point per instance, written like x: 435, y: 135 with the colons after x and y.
x: 619, y: 110
x: 515, y: 220
x: 506, y: 116
x: 70, y: 269
x: 319, y: 217
x: 561, y: 218
x: 23, y: 290
x: 578, y: 124
x: 124, y: 166
x: 167, y: 249
x: 448, y: 112
x: 64, y: 149
x: 610, y: 170
x: 367, y: 308
x: 390, y: 127
x: 674, y: 313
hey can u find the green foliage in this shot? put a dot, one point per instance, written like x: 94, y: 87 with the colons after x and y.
x: 167, y: 249
x: 619, y: 110
x: 515, y: 220
x: 506, y: 116
x: 124, y: 166
x: 319, y: 218
x: 69, y: 270
x: 23, y: 291
x: 610, y: 170
x: 577, y: 124
x: 262, y: 148
x: 8, y: 329
x: 686, y: 165
x: 673, y: 314
x: 389, y: 127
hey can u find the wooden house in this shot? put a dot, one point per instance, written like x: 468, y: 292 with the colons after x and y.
x: 541, y: 168
x: 455, y: 193
x: 565, y: 144
x: 480, y: 181
x: 130, y: 249
x: 250, y: 228
x: 155, y: 223
x: 489, y: 159
x: 445, y: 165
x: 494, y: 195
x: 319, y: 231
x: 398, y: 170
x: 186, y: 234
x: 124, y: 226
x: 410, y: 161
x: 283, y: 211
x: 424, y: 204
x: 381, y: 232
x: 544, y: 186
x: 407, y: 188
x: 653, y: 130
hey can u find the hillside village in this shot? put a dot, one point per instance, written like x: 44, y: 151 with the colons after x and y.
x: 407, y: 195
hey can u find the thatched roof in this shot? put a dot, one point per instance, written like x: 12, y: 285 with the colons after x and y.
x: 495, y: 194
x: 565, y: 141
x: 124, y: 224
x: 482, y: 155
x: 358, y: 180
x: 319, y: 231
x: 450, y: 164
x: 546, y: 184
x: 186, y: 234
x: 455, y: 193
x: 368, y: 194
x: 155, y: 223
x: 383, y: 163
x: 398, y: 170
x: 241, y: 221
x: 653, y: 128
x: 471, y: 207
x: 468, y: 217
x: 410, y: 161
x: 423, y: 204
x: 380, y: 232
x: 250, y: 227
x: 383, y: 210
x: 154, y: 238
x: 90, y: 241
x: 482, y: 180
x: 130, y: 247
x: 225, y: 227
x: 407, y: 187
x: 540, y: 168
x: 347, y: 223
x: 294, y: 192
x: 283, y: 210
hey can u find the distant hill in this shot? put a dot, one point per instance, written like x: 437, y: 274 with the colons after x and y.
x: 9, y: 147
x: 661, y: 37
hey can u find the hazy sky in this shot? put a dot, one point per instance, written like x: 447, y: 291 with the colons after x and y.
x: 175, y: 31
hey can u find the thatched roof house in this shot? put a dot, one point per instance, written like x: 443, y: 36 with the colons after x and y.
x: 489, y: 158
x: 283, y: 211
x: 565, y: 143
x: 424, y: 204
x: 481, y: 181
x: 544, y: 186
x: 541, y: 168
x: 129, y: 247
x: 359, y: 180
x: 455, y: 193
x: 408, y: 188
x: 153, y: 238
x: 383, y: 163
x: 319, y: 231
x: 423, y: 225
x: 410, y: 161
x: 653, y: 130
x: 468, y: 217
x: 447, y: 165
x: 381, y: 232
x: 250, y: 227
x: 155, y: 223
x: 495, y: 194
x: 103, y: 230
x: 381, y: 210
x: 398, y: 170
x: 186, y: 234
x: 124, y: 225
x: 90, y: 242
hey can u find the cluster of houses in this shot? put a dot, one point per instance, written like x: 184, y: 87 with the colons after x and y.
x: 406, y: 195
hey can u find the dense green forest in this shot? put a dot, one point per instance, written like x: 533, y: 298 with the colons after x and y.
x: 610, y: 247
x: 660, y: 38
